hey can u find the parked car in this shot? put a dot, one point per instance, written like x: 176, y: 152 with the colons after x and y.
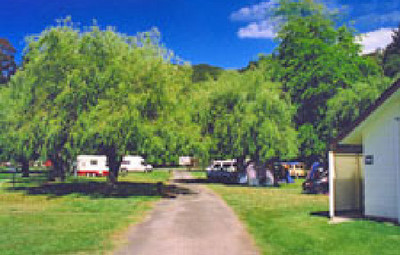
x: 222, y: 171
x: 317, y: 181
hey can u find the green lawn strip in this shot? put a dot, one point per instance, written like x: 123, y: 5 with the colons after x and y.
x: 5, y: 176
x: 154, y: 176
x: 72, y: 223
x: 199, y: 174
x: 280, y: 221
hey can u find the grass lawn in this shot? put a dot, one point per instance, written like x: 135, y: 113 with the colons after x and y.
x: 81, y: 216
x: 199, y: 174
x: 280, y: 221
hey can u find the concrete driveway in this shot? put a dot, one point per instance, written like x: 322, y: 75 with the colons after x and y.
x: 191, y: 224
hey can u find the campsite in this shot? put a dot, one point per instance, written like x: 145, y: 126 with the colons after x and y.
x: 199, y: 127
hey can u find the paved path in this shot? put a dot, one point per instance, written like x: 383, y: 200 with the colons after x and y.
x: 194, y: 224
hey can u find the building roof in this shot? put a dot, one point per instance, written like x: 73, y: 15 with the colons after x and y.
x: 370, y: 110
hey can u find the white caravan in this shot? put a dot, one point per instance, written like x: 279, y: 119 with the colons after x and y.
x: 92, y: 165
x: 135, y: 163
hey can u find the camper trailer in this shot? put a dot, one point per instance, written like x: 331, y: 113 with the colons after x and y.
x: 135, y: 163
x: 92, y: 165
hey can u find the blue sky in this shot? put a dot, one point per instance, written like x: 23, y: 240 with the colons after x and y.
x: 225, y: 33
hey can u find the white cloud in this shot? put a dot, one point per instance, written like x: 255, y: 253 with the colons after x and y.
x: 255, y: 12
x: 261, y: 23
x: 374, y: 40
x: 261, y: 29
x: 259, y: 18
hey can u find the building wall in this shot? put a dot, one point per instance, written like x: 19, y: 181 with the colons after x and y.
x: 379, y: 139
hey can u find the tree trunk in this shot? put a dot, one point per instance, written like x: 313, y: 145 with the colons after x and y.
x: 241, y: 168
x: 114, y: 172
x: 58, y: 171
x: 67, y: 167
x: 113, y: 163
x: 260, y: 168
x: 257, y: 160
x: 25, y: 168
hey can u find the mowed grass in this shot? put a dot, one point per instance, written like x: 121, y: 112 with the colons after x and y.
x: 281, y: 222
x: 79, y: 216
x: 199, y: 174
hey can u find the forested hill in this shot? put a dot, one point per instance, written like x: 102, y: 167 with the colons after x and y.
x: 203, y: 72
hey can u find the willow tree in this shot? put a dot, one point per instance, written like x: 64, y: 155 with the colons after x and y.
x: 21, y: 136
x: 245, y: 115
x: 123, y: 85
x: 66, y: 72
x: 144, y: 114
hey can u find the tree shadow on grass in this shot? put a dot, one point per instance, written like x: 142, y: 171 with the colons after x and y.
x: 226, y: 182
x: 221, y: 180
x: 105, y: 190
x: 323, y: 214
x: 193, y: 180
x: 208, y: 181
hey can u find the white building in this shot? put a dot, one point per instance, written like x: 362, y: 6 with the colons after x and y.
x: 364, y: 163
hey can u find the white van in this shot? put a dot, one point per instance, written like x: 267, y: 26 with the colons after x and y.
x: 223, y: 171
x: 224, y: 165
x: 135, y: 163
x: 92, y: 165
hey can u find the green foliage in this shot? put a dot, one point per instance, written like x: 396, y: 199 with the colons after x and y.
x: 145, y: 115
x: 67, y: 72
x: 99, y: 91
x: 392, y: 65
x: 391, y: 56
x: 344, y: 108
x: 203, y: 72
x: 311, y: 145
x: 21, y: 131
x: 316, y: 59
x: 246, y: 115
